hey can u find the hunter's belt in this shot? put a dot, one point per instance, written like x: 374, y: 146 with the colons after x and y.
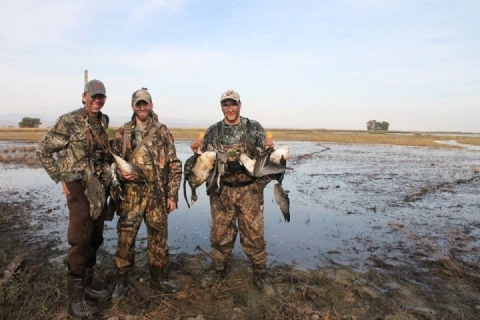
x: 235, y: 167
x: 238, y: 184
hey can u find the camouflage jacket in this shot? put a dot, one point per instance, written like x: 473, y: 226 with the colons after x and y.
x: 223, y: 134
x: 167, y: 168
x: 73, y: 145
x: 230, y: 138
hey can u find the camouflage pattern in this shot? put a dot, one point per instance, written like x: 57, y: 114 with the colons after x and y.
x: 141, y: 95
x: 67, y: 152
x: 221, y: 133
x: 158, y: 161
x: 71, y: 141
x: 94, y: 87
x: 141, y: 202
x: 161, y: 147
x: 245, y: 204
x: 230, y: 94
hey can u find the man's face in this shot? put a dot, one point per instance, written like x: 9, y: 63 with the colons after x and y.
x: 231, y: 111
x: 142, y: 110
x: 93, y: 104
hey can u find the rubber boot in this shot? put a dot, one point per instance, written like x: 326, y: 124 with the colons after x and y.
x: 76, y: 304
x: 121, y: 286
x: 159, y: 283
x: 260, y: 280
x: 92, y: 294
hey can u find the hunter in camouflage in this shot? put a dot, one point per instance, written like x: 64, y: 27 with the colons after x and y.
x: 148, y: 145
x: 73, y: 153
x: 240, y: 198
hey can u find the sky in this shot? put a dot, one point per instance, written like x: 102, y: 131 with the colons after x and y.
x: 296, y: 64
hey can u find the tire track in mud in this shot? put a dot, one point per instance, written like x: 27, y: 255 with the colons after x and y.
x: 434, y: 188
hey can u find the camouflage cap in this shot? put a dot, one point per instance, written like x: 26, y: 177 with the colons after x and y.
x: 141, y: 95
x: 94, y: 87
x: 230, y: 94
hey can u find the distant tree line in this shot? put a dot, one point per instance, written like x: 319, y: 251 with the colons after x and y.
x: 29, y: 123
x: 377, y: 125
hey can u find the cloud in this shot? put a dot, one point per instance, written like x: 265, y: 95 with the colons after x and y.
x: 25, y: 23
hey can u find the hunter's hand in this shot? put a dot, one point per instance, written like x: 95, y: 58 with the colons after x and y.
x: 171, y: 205
x: 196, y: 144
x: 128, y: 177
x: 269, y: 143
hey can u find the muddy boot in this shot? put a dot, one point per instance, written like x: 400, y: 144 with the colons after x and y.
x: 220, y: 274
x: 121, y: 287
x: 77, y: 307
x: 159, y: 283
x: 261, y: 282
x: 214, y: 276
x: 90, y: 293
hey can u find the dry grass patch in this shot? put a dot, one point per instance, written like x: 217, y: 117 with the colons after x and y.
x: 417, y: 139
x: 22, y: 134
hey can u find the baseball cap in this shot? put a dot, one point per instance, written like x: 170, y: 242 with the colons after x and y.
x: 94, y: 87
x: 230, y: 94
x: 141, y: 95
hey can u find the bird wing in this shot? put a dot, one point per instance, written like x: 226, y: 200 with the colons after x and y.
x: 264, y: 166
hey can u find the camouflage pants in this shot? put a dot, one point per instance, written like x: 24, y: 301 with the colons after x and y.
x: 245, y: 205
x: 141, y: 204
x: 84, y: 234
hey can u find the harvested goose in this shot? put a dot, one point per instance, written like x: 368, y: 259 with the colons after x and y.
x: 116, y: 186
x: 281, y: 199
x: 95, y: 193
x: 128, y: 168
x: 197, y: 169
x: 264, y: 164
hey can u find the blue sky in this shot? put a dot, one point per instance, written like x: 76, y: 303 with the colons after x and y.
x: 296, y: 64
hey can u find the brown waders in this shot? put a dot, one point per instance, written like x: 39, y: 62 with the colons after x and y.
x: 85, y: 236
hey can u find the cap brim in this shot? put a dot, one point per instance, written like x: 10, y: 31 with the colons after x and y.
x: 138, y: 100
x: 230, y: 99
x: 95, y: 92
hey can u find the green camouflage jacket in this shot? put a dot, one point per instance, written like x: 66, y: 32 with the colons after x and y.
x: 223, y: 134
x: 73, y: 145
x: 167, y: 168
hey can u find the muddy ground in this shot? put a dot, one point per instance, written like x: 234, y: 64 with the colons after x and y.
x: 418, y: 275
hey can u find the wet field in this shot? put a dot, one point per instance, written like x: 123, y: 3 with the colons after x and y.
x: 354, y: 205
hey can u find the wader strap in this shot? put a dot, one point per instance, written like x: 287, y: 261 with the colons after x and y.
x: 126, y: 134
x: 150, y: 133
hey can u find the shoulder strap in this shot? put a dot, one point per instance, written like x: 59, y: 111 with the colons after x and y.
x: 127, y: 128
x: 220, y: 133
x: 150, y: 133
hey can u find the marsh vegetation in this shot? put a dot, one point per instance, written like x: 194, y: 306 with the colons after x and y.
x: 416, y: 139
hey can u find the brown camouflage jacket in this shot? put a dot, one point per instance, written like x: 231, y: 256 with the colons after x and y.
x: 65, y: 150
x: 161, y: 147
